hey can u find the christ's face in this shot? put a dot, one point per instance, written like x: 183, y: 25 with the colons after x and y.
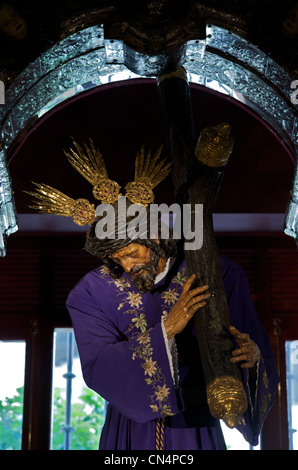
x: 140, y: 263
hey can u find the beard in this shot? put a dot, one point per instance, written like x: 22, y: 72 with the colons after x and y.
x: 143, y: 277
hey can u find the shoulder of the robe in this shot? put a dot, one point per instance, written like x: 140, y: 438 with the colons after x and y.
x: 93, y: 282
x: 230, y: 268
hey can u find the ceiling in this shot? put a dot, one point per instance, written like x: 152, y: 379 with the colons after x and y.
x: 151, y: 26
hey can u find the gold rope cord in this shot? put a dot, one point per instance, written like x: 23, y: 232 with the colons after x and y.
x: 160, y: 434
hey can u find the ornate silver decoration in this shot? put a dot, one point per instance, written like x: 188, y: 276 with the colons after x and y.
x: 223, y: 61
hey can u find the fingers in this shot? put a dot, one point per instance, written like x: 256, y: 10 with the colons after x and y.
x: 242, y: 357
x: 188, y: 295
x: 197, y: 299
x: 186, y: 306
x: 198, y: 290
x: 188, y: 283
x: 191, y: 310
x: 247, y: 363
x: 241, y: 354
x: 245, y: 349
x: 192, y: 301
x: 240, y: 337
x: 248, y: 352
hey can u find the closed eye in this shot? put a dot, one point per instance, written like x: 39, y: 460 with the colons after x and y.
x: 133, y: 254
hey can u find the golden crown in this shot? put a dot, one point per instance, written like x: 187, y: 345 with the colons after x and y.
x: 149, y: 172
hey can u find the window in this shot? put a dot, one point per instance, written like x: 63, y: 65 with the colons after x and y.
x: 292, y: 391
x: 77, y: 412
x: 234, y: 439
x: 12, y: 368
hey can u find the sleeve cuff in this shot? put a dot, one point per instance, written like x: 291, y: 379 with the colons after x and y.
x: 172, y: 353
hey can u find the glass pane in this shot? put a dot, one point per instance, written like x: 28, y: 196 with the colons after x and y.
x: 12, y: 373
x: 234, y: 439
x: 77, y: 412
x: 292, y: 392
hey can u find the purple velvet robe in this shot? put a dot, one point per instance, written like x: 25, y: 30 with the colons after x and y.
x: 125, y: 359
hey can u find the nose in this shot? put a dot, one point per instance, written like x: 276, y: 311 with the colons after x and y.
x: 127, y: 265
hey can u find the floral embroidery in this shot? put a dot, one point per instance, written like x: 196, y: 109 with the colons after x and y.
x: 140, y: 322
x: 164, y: 314
x: 265, y: 379
x: 131, y: 303
x: 150, y: 367
x: 170, y: 296
x: 180, y: 277
x: 121, y: 284
x: 143, y: 338
x: 154, y: 408
x: 162, y: 392
x: 104, y: 270
x: 134, y: 299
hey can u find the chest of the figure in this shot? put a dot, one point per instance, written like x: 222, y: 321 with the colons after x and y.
x: 133, y: 312
x: 136, y: 313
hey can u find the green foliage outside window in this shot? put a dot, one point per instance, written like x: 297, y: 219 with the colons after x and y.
x: 11, y: 416
x: 87, y: 417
